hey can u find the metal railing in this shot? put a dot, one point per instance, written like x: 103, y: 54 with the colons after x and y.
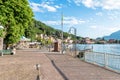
x: 109, y: 61
x: 106, y: 60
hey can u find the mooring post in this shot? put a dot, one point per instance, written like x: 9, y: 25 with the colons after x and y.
x: 38, y: 69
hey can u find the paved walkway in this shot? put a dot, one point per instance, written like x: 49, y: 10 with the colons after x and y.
x: 54, y: 66
x: 22, y: 66
x: 74, y: 69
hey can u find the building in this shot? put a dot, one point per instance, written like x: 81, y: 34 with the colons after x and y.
x: 87, y: 40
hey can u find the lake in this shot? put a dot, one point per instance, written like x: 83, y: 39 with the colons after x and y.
x: 103, y: 48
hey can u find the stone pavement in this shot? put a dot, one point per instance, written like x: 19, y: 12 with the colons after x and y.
x: 74, y: 69
x: 54, y: 66
x: 22, y: 66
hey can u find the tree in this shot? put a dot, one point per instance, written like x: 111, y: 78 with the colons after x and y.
x: 15, y: 16
x: 31, y: 31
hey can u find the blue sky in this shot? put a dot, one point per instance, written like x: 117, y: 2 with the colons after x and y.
x: 91, y: 18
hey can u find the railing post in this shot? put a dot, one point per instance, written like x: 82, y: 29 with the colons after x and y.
x: 105, y: 60
x: 94, y: 62
x: 84, y: 56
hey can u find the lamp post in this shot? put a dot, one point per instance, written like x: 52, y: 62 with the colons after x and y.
x: 75, y: 39
x: 62, y: 32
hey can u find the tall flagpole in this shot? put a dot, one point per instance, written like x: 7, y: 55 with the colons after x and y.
x: 62, y: 32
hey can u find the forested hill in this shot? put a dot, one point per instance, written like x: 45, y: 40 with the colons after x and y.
x: 45, y: 29
x: 39, y: 27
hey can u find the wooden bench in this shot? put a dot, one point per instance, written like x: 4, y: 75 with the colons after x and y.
x: 6, y: 52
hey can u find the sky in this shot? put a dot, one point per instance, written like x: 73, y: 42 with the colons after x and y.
x: 91, y: 18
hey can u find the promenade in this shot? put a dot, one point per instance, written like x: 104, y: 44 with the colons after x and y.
x: 22, y: 66
x: 75, y: 69
x: 53, y: 66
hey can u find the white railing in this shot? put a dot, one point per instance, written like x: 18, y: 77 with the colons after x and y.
x: 109, y: 61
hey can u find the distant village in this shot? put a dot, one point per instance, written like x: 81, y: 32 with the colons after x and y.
x: 43, y: 39
x: 85, y: 40
x: 88, y: 40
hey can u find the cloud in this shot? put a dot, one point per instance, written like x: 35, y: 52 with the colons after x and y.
x: 111, y: 4
x: 49, y: 8
x: 113, y: 29
x: 114, y: 15
x: 77, y: 2
x: 104, y: 30
x: 70, y: 21
x: 44, y: 6
x: 69, y: 1
x: 36, y: 7
x: 88, y: 3
x: 93, y: 27
x: 57, y: 6
x: 99, y: 14
x: 104, y: 4
x: 73, y: 21
x: 52, y: 22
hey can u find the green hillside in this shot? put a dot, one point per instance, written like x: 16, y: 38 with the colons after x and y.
x: 38, y: 27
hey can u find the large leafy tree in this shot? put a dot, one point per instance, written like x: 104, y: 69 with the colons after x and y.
x: 31, y: 31
x: 15, y: 16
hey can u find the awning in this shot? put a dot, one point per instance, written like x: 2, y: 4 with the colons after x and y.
x: 23, y: 38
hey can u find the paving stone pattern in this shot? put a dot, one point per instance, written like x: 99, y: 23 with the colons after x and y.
x: 22, y: 66
x: 75, y: 69
x: 53, y: 66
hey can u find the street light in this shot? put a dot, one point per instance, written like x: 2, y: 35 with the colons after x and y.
x: 62, y: 32
x: 75, y: 39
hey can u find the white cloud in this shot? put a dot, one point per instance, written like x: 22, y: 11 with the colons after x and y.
x: 88, y: 3
x: 77, y: 2
x: 36, y: 7
x: 70, y: 21
x: 99, y: 14
x: 93, y: 27
x: 110, y: 29
x: 104, y: 4
x: 52, y: 22
x: 114, y: 15
x: 44, y: 6
x: 57, y: 6
x: 104, y: 30
x: 113, y: 29
x: 73, y: 21
x: 111, y: 4
x: 49, y: 8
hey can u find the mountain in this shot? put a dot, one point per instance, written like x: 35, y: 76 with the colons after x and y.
x: 115, y: 35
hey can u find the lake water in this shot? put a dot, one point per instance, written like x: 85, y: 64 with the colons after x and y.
x: 103, y: 48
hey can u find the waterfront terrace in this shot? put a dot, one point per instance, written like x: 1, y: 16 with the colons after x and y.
x: 53, y: 66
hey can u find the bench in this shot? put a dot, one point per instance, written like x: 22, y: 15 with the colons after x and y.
x: 6, y: 52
